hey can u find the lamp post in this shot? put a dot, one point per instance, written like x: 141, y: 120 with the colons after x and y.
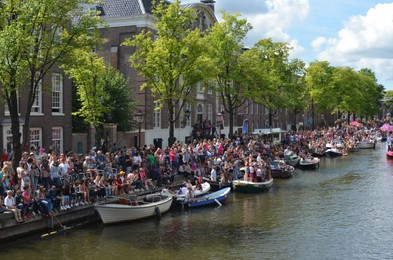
x: 139, y: 121
x: 323, y: 120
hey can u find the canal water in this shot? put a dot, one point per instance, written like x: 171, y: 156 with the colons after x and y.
x: 344, y: 210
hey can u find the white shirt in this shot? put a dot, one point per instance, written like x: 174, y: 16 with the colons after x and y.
x: 213, y: 175
x: 9, y: 202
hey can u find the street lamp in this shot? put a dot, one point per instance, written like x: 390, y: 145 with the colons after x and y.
x: 139, y: 121
x: 323, y: 120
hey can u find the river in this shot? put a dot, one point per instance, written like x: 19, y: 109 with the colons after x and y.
x: 344, y: 210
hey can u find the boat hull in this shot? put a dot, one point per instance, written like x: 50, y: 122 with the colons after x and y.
x: 333, y: 153
x: 214, y: 198
x: 252, y: 187
x: 389, y: 154
x: 114, y: 213
x: 365, y: 145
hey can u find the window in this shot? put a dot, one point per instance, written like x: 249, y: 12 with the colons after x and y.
x: 209, y: 112
x: 35, y: 137
x: 157, y: 116
x: 200, y: 113
x: 266, y: 111
x: 257, y: 109
x: 57, y: 93
x: 57, y: 139
x: 37, y: 105
x: 199, y: 87
x: 7, y: 111
x: 212, y: 85
x: 188, y: 107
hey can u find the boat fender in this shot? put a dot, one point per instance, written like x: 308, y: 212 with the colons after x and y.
x: 157, y: 212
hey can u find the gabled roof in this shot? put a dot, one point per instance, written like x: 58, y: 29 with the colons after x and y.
x: 123, y: 8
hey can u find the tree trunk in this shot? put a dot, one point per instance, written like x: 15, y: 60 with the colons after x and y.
x: 231, y: 122
x: 171, y: 139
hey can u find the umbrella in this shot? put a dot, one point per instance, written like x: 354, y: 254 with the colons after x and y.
x: 355, y: 123
x: 386, y: 127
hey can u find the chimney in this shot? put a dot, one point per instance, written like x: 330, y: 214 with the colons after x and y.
x: 209, y: 3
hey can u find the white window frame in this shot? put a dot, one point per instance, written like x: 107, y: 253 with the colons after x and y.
x: 156, y: 116
x: 209, y: 112
x: 7, y: 111
x: 188, y: 107
x: 57, y: 93
x: 36, y: 108
x: 199, y: 87
x: 36, y: 137
x: 57, y: 139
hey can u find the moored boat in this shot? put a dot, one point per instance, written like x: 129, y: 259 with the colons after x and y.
x: 205, y: 189
x: 216, y: 185
x: 214, y: 198
x: 127, y: 209
x: 389, y: 154
x: 280, y: 170
x: 252, y: 187
x: 309, y: 163
x: 366, y: 144
x: 333, y: 152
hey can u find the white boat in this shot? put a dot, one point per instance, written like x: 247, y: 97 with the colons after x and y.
x: 205, y: 189
x: 333, y: 152
x: 309, y: 163
x: 366, y: 144
x: 127, y: 209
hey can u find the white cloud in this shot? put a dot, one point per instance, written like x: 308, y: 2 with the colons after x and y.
x: 364, y: 41
x: 280, y: 16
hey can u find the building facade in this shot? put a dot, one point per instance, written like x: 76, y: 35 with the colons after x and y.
x: 50, y: 119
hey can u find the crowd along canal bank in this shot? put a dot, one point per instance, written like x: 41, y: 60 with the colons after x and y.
x: 59, y: 220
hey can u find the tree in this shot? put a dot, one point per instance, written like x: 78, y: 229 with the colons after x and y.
x: 228, y: 62
x: 171, y: 64
x: 102, y: 92
x: 275, y: 76
x: 35, y: 36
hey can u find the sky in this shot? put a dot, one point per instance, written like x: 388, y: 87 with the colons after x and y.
x: 354, y: 33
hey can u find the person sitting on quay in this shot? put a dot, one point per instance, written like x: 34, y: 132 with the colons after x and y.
x: 22, y: 205
x: 43, y: 204
x: 10, y: 204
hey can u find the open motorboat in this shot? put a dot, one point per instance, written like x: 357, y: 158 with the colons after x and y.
x: 333, y: 152
x: 205, y: 189
x: 309, y: 163
x: 214, y: 198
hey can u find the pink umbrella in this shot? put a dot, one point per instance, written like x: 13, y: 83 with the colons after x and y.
x: 355, y: 123
x: 386, y: 127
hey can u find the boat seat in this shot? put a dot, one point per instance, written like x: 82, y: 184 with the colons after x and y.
x: 152, y: 198
x: 133, y: 200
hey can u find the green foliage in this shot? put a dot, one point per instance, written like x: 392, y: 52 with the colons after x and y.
x: 120, y: 101
x: 101, y: 90
x: 36, y: 36
x: 228, y: 62
x: 173, y: 62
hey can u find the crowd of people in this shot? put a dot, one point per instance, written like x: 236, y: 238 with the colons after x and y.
x: 48, y: 182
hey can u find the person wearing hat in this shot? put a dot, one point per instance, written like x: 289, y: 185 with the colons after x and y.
x: 9, y: 202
